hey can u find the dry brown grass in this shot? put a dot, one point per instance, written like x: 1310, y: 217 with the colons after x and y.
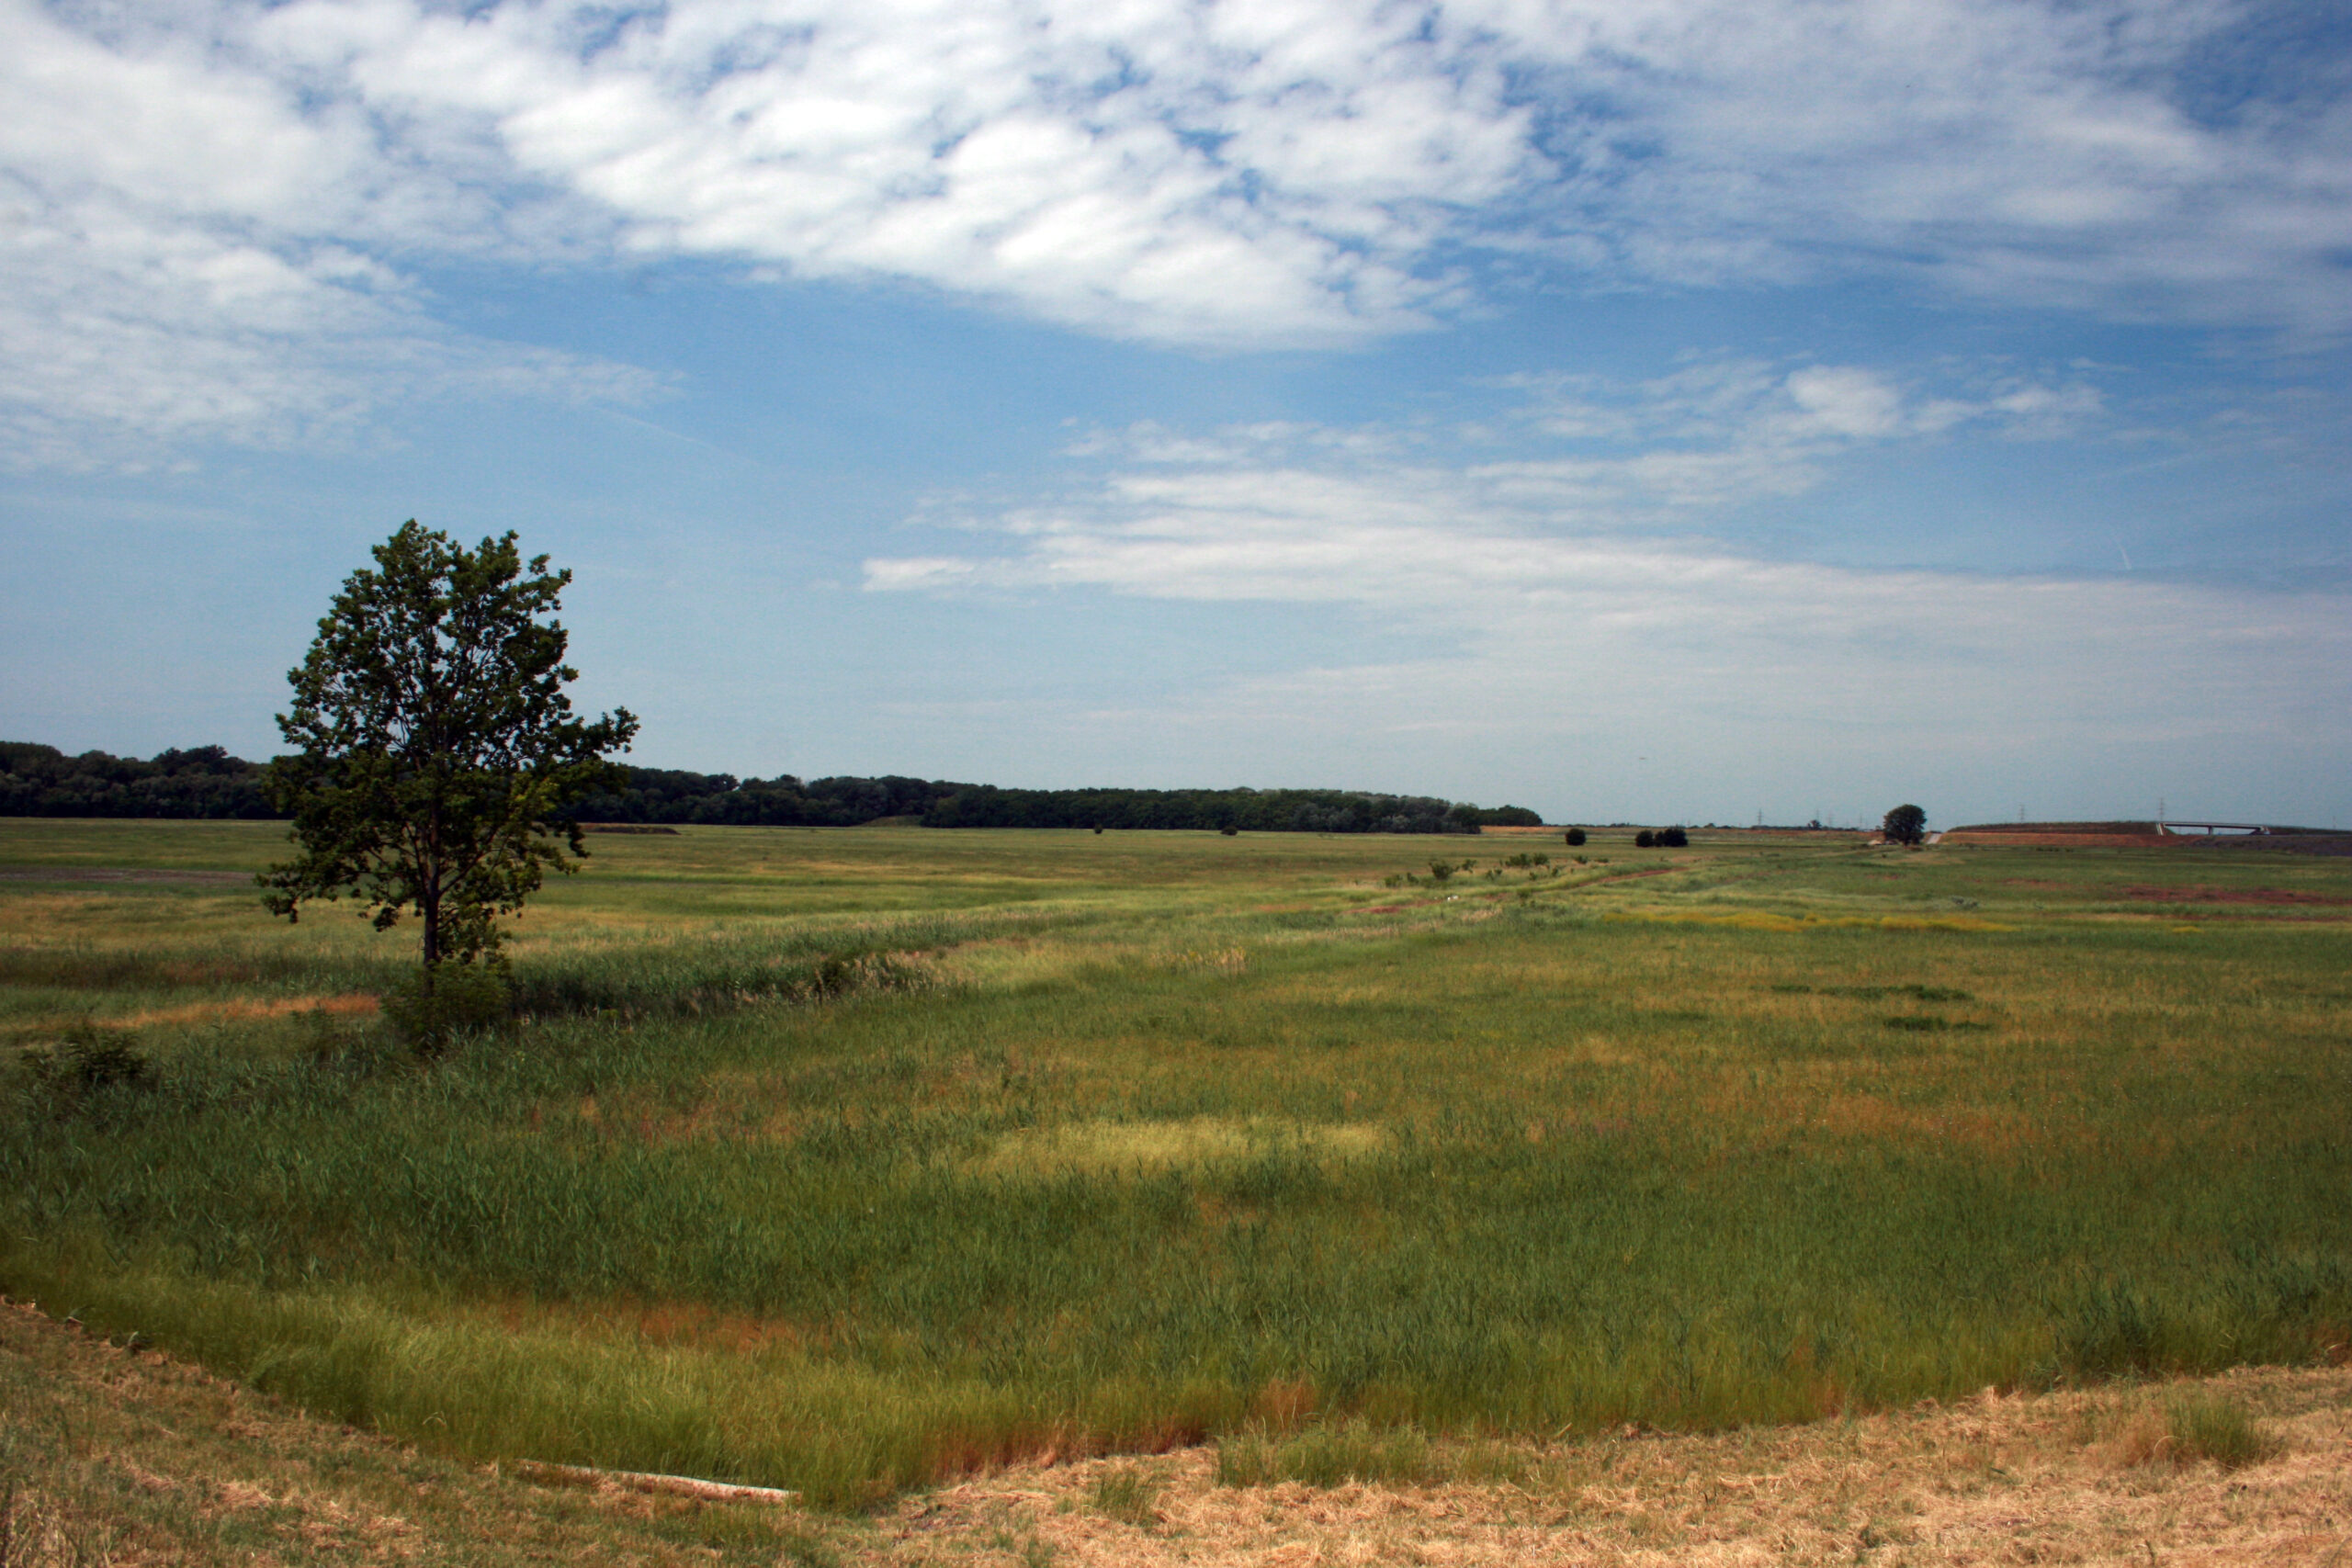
x: 244, y: 1009
x: 1998, y: 1480
x: 131, y: 1458
x: 163, y: 1463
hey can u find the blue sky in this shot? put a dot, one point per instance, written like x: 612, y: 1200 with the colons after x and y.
x: 1651, y: 409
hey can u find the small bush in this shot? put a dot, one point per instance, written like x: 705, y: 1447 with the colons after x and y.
x: 86, y: 1058
x: 1440, y: 870
x: 1575, y: 838
x: 1673, y: 839
x: 1645, y: 840
x: 431, y: 1007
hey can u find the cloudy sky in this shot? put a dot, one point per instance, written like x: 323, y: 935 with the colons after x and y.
x: 1650, y: 409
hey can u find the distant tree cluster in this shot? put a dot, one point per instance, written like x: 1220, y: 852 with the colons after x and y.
x: 674, y: 797
x: 41, y: 781
x: 1664, y: 838
x: 1242, y: 811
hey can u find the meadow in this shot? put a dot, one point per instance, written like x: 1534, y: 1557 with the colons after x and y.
x: 848, y: 1160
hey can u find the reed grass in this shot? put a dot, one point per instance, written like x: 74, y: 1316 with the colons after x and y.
x: 1196, y: 1141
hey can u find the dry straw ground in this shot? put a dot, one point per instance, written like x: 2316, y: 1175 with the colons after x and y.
x: 128, y: 1456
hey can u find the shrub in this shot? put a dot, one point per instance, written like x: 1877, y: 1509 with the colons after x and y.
x: 1673, y: 839
x: 1645, y: 840
x: 1440, y: 870
x: 463, y: 998
x: 1576, y: 836
x: 88, y: 1058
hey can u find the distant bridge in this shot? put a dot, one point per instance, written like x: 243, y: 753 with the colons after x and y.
x: 2212, y: 828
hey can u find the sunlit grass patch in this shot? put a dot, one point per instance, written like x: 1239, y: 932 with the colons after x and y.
x: 1115, y: 1148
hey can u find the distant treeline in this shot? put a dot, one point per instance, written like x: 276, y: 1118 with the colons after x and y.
x: 664, y: 795
x: 40, y: 781
x: 1243, y: 810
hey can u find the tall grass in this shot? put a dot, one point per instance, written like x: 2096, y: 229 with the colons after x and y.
x: 1042, y: 1180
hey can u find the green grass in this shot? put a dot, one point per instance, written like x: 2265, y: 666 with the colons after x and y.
x: 1127, y: 1493
x: 846, y: 1160
x: 2215, y: 1428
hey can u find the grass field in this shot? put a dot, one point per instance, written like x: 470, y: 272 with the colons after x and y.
x: 849, y: 1161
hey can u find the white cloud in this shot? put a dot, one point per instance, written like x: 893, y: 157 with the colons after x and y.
x: 186, y: 258
x: 1237, y: 173
x: 1592, y: 575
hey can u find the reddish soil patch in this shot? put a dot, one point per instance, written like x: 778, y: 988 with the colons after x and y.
x: 118, y: 873
x: 2228, y: 896
x: 2070, y: 841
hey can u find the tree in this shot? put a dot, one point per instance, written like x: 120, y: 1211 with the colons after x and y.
x: 432, y: 747
x: 1576, y: 836
x: 1673, y: 839
x: 1906, y: 825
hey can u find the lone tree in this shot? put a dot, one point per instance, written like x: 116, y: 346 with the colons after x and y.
x: 433, y: 745
x: 1906, y: 825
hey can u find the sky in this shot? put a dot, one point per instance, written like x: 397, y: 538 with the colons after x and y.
x: 1637, y: 410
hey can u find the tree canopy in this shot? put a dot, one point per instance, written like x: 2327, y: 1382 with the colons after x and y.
x: 434, y: 746
x: 1906, y: 825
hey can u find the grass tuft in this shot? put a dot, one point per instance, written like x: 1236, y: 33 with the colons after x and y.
x: 1129, y: 1494
x: 1330, y: 1454
x: 2193, y: 1427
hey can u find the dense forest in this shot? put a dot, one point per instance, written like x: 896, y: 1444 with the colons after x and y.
x: 41, y: 781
